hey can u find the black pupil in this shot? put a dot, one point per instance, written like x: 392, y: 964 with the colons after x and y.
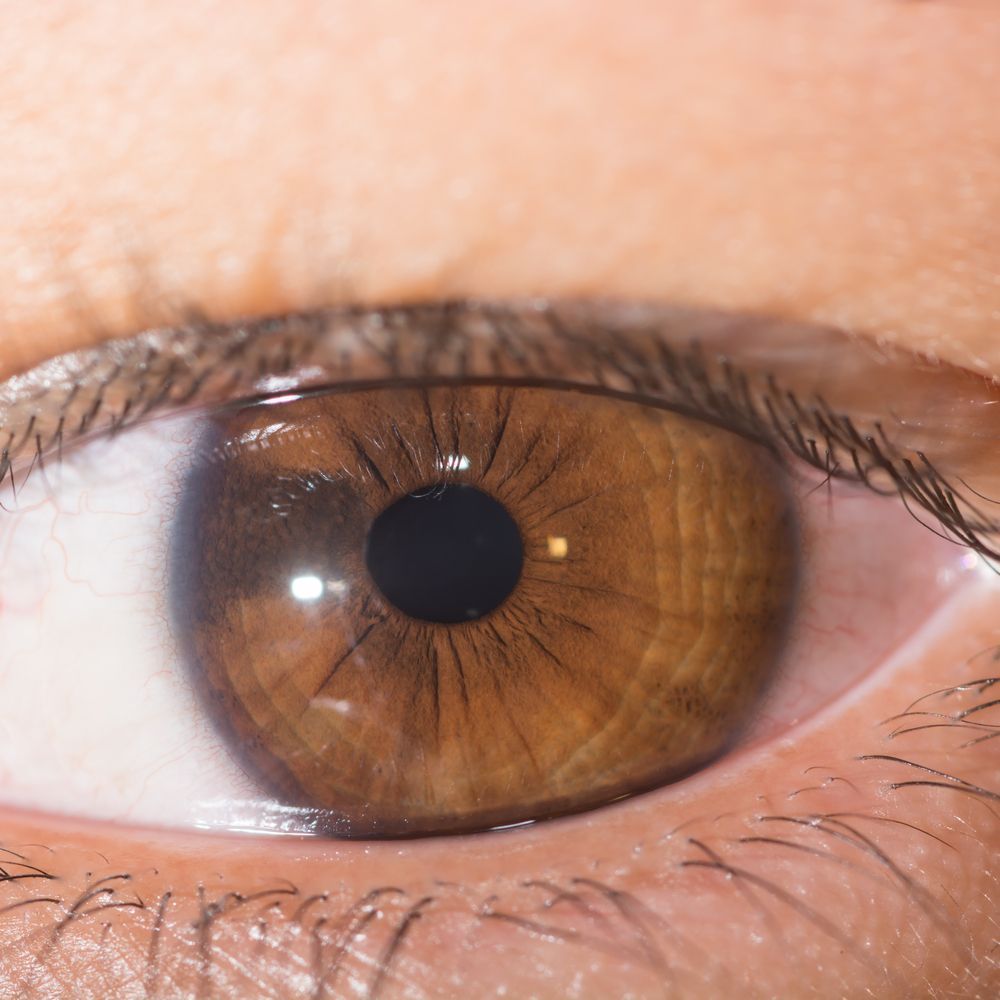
x: 445, y: 554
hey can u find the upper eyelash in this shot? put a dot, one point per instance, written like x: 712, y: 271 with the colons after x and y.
x: 204, y: 363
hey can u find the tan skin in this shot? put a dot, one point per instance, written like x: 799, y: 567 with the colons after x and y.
x: 830, y: 161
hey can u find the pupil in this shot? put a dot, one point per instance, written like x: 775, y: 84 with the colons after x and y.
x: 445, y: 554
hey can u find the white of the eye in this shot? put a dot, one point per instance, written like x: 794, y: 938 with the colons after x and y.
x: 98, y: 717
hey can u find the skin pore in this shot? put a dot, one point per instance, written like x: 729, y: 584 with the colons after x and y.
x: 831, y: 162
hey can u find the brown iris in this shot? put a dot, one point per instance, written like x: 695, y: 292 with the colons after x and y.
x: 442, y: 609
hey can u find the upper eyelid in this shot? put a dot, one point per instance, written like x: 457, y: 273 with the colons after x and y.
x: 738, y: 370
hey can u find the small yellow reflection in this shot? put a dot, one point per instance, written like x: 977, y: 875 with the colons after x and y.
x: 558, y: 546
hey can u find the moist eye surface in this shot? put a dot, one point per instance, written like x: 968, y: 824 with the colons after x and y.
x: 432, y: 610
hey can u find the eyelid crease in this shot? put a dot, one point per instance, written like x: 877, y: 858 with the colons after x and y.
x: 787, y: 384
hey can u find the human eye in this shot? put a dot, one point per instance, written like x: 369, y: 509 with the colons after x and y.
x: 813, y: 188
x: 498, y: 564
x: 194, y: 483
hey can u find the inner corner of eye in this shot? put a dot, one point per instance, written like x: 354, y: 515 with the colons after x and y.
x: 459, y: 608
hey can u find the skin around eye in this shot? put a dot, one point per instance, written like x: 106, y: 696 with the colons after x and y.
x: 660, y: 563
x: 833, y: 161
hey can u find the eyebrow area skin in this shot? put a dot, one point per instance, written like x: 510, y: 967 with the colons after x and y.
x: 831, y: 163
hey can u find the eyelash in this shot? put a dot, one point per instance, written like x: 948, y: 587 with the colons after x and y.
x: 442, y: 339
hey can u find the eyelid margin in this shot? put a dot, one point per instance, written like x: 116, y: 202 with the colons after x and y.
x: 733, y: 369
